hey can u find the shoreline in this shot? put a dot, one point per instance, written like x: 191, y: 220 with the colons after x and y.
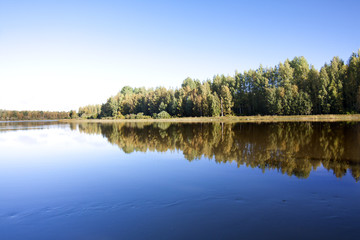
x: 233, y: 119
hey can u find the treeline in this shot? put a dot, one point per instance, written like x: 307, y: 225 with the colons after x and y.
x: 290, y: 88
x: 6, y: 115
x: 295, y: 149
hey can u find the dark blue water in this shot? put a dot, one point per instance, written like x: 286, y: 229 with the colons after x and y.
x: 179, y: 181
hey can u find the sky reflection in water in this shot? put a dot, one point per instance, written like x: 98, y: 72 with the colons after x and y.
x: 65, y: 181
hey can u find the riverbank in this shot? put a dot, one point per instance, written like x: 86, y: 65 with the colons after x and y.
x: 295, y: 118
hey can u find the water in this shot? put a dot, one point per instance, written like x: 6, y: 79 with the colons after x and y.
x: 179, y: 181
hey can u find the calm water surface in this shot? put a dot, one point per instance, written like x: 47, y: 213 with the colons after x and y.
x: 179, y: 181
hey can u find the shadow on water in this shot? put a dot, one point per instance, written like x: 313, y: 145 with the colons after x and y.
x: 294, y: 149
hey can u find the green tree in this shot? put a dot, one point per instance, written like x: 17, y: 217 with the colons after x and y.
x: 214, y: 105
x: 73, y: 114
x: 226, y: 101
x: 323, y: 95
x: 352, y: 84
x: 188, y: 82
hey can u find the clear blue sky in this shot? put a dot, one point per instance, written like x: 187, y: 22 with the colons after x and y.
x: 59, y: 55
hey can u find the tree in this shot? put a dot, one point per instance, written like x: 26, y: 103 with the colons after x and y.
x: 336, y: 73
x: 163, y: 114
x: 323, y: 95
x: 291, y: 87
x: 301, y: 71
x: 313, y: 89
x: 73, y: 114
x: 188, y: 82
x: 214, y: 105
x: 226, y: 101
x: 352, y: 84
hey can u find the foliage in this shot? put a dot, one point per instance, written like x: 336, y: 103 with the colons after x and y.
x: 137, y: 116
x: 73, y: 114
x: 291, y: 88
x: 163, y: 114
x: 6, y: 115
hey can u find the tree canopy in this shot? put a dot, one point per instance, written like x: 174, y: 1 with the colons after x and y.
x: 291, y: 88
x: 6, y: 115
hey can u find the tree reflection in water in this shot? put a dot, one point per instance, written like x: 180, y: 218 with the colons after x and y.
x: 292, y: 148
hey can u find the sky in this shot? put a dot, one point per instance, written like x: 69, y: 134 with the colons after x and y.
x: 60, y: 55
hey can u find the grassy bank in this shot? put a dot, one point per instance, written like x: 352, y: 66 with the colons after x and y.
x: 300, y: 118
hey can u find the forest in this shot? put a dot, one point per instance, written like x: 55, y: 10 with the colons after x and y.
x: 291, y: 88
x: 6, y: 115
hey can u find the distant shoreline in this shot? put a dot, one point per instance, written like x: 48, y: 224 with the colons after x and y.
x: 292, y: 118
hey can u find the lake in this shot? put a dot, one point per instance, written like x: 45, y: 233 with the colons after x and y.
x: 179, y: 181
